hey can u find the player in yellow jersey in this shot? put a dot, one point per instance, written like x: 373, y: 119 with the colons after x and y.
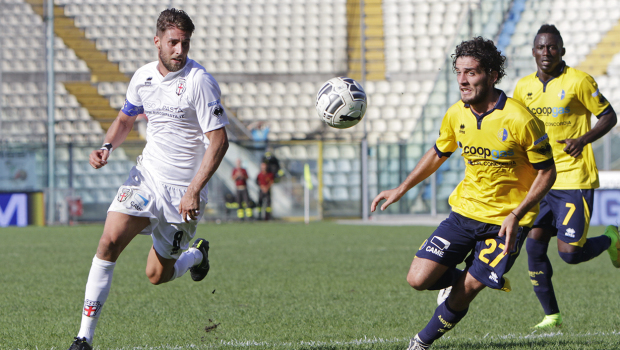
x: 564, y: 98
x: 509, y: 168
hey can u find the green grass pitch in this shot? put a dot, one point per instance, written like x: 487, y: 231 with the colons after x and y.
x: 284, y: 286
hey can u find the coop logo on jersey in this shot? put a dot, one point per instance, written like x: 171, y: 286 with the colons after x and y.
x: 91, y: 308
x: 562, y: 94
x: 124, y: 194
x: 181, y: 86
x: 438, y: 245
x: 486, y: 153
x: 549, y: 111
x: 502, y: 135
x: 570, y: 232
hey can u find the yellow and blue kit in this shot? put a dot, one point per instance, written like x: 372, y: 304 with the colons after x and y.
x: 502, y: 149
x: 566, y: 104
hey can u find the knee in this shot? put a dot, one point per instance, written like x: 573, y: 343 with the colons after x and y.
x: 109, y: 249
x: 417, y: 282
x: 571, y: 258
x: 155, y: 277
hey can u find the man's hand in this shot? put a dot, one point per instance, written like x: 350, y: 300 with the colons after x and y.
x: 390, y: 196
x: 99, y: 158
x: 190, y: 203
x: 574, y: 147
x: 510, y: 228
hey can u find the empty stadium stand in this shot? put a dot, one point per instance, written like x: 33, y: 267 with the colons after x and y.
x: 271, y: 56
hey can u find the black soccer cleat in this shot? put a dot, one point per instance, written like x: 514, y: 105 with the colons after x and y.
x: 199, y: 272
x: 80, y: 344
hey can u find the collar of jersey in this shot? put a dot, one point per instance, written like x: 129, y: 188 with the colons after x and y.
x: 501, y: 102
x: 563, y: 65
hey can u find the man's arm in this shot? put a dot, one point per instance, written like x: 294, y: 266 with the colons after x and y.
x: 429, y: 163
x: 606, y: 122
x: 542, y: 184
x: 218, y: 145
x: 116, y: 135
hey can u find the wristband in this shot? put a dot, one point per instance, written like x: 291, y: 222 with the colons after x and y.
x: 516, y: 216
x: 107, y: 146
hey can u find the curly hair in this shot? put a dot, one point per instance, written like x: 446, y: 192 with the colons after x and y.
x: 483, y: 51
x: 173, y: 18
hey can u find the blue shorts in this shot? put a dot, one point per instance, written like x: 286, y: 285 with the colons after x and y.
x: 457, y: 236
x: 567, y: 214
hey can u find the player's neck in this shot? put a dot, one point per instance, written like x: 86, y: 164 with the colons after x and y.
x: 488, y: 103
x: 545, y: 77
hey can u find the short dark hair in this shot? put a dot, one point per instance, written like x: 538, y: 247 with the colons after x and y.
x: 550, y: 29
x: 173, y: 18
x: 483, y: 51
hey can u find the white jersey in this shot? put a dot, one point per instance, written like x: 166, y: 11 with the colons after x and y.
x: 181, y: 107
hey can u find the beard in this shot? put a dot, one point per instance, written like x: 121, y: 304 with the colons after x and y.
x: 170, y: 66
x: 479, y: 97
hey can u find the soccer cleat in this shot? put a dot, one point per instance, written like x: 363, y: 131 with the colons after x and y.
x: 614, y: 248
x: 417, y: 344
x: 550, y: 321
x: 199, y: 272
x: 443, y: 295
x: 80, y: 344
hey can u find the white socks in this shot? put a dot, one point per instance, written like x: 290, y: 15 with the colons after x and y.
x: 188, y: 258
x: 100, y: 281
x: 97, y: 289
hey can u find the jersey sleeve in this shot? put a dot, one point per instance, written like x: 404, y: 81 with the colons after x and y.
x: 518, y: 93
x: 446, y: 142
x: 536, y: 144
x: 209, y: 110
x: 132, y: 95
x: 590, y: 96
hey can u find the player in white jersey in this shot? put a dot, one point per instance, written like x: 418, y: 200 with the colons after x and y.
x: 166, y: 191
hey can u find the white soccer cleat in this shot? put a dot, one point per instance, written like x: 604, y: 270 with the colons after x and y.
x: 416, y: 344
x: 443, y: 295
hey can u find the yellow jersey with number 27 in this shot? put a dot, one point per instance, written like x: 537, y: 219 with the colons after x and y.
x: 502, y: 150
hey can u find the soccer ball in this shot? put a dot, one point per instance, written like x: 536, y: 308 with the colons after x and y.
x: 341, y: 102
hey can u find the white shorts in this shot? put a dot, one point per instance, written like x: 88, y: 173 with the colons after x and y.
x: 143, y: 196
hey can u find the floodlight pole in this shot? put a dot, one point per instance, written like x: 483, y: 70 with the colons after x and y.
x: 364, y: 145
x: 51, y: 137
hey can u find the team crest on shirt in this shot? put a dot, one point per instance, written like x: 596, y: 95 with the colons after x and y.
x: 124, y: 194
x: 562, y: 94
x: 502, y: 135
x: 181, y: 86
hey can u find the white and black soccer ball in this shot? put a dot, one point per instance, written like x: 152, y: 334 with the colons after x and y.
x: 341, y: 102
